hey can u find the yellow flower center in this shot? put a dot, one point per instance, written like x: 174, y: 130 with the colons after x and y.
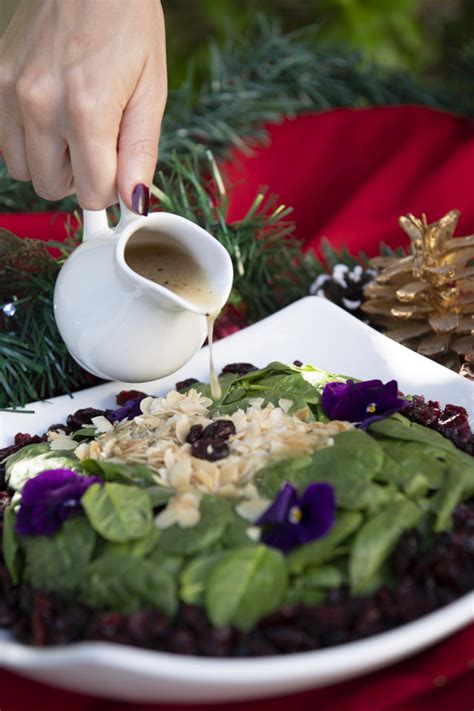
x: 371, y: 408
x: 295, y: 514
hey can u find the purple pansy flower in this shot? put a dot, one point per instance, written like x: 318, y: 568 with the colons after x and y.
x: 49, y: 499
x: 292, y: 520
x: 129, y: 410
x: 364, y: 402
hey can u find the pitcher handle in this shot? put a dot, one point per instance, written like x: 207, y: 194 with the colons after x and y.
x: 126, y: 216
x: 95, y: 224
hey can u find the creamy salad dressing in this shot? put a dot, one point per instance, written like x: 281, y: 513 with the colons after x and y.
x: 166, y: 263
x: 216, y: 390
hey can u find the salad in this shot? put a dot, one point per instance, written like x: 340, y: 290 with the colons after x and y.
x: 301, y: 509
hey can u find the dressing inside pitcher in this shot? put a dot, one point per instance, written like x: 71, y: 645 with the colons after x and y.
x: 157, y: 257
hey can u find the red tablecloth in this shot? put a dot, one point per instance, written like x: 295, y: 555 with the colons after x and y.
x: 349, y: 174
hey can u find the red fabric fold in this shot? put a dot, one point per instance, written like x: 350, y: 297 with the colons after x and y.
x: 349, y: 174
x: 38, y: 225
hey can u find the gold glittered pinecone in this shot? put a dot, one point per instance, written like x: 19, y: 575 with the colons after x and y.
x: 426, y: 300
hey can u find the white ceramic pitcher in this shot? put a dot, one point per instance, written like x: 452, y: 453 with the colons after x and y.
x: 120, y: 325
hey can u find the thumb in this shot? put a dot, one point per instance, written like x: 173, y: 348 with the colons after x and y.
x: 138, y: 148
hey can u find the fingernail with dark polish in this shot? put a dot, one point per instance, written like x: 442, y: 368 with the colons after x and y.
x: 141, y: 199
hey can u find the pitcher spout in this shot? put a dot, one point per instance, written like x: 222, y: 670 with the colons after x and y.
x: 181, y: 266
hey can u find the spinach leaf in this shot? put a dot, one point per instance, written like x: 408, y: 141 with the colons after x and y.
x: 372, y: 497
x: 324, y: 548
x: 127, y: 584
x: 323, y: 576
x: 272, y: 383
x: 399, y: 427
x: 417, y: 487
x: 391, y: 472
x: 159, y: 495
x: 226, y: 381
x: 291, y: 387
x: 458, y: 485
x: 58, y: 563
x: 24, y: 454
x: 193, y: 578
x: 245, y: 585
x: 319, y: 378
x: 34, y: 459
x: 11, y: 545
x: 116, y: 513
x: 405, y: 460
x: 133, y: 474
x: 85, y: 433
x: 375, y: 540
x: 312, y: 587
x: 349, y: 465
x: 235, y: 534
x: 226, y: 409
x: 295, y: 470
x: 170, y: 564
x: 297, y: 595
x: 139, y: 548
x: 216, y: 513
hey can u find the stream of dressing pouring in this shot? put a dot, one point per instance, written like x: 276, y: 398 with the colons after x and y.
x: 172, y: 267
x: 216, y: 390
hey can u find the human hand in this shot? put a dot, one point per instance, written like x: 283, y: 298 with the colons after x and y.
x: 82, y: 94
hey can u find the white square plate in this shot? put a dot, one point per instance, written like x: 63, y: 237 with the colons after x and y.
x: 314, y: 331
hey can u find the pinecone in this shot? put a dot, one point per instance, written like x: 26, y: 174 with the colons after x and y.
x: 344, y: 287
x: 426, y: 300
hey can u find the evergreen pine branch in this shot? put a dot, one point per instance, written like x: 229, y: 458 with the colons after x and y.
x: 459, y: 96
x: 387, y: 251
x: 332, y: 256
x: 34, y: 362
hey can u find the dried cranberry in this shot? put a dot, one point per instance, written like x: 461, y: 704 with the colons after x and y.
x: 183, y: 384
x: 194, y: 434
x: 239, y: 368
x: 82, y: 417
x: 21, y: 440
x: 218, y: 642
x: 210, y: 449
x: 182, y: 641
x: 56, y: 427
x: 126, y: 395
x: 287, y: 638
x: 147, y: 626
x: 452, y: 422
x: 219, y: 429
